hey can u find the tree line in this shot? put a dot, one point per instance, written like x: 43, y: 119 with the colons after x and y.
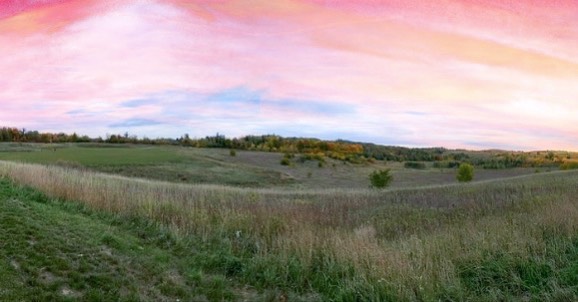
x: 356, y: 152
x: 8, y: 134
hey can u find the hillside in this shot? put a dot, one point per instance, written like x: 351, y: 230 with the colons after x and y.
x: 337, y: 150
x: 495, y: 240
x: 256, y: 169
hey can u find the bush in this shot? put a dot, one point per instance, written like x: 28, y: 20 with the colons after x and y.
x: 232, y: 152
x: 446, y: 164
x: 569, y: 165
x: 380, y: 179
x: 312, y: 156
x: 465, y: 172
x: 285, y: 161
x: 414, y: 165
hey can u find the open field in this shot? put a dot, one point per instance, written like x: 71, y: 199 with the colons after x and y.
x: 507, y: 239
x: 246, y: 169
x: 161, y: 163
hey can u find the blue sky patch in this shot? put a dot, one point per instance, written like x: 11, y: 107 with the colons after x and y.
x: 135, y: 122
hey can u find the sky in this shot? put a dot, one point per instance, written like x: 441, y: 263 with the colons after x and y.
x: 475, y: 74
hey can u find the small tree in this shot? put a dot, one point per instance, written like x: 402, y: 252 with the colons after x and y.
x: 465, y: 172
x: 380, y: 178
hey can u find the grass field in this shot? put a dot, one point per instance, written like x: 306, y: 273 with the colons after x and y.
x: 494, y: 240
x: 216, y: 166
x: 166, y: 163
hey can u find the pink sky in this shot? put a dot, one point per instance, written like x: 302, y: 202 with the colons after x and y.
x: 473, y: 74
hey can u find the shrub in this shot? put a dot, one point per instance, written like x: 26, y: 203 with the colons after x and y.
x: 446, y: 164
x: 414, y: 165
x: 232, y: 152
x: 285, y: 161
x: 380, y: 178
x: 569, y: 165
x: 465, y: 172
x: 312, y: 156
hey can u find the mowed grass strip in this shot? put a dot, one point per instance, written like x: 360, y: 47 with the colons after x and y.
x: 95, y: 156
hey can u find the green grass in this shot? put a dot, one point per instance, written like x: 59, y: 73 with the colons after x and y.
x: 54, y: 250
x: 167, y: 163
x: 57, y: 251
x: 94, y: 156
x: 217, y: 166
x: 264, y: 231
x: 511, y: 240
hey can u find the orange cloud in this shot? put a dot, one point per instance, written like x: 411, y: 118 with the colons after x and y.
x: 459, y: 70
x: 51, y: 16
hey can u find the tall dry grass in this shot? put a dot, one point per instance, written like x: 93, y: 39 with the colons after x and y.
x: 408, y: 243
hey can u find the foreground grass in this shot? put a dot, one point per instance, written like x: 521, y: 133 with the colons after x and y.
x: 55, y: 251
x: 514, y: 240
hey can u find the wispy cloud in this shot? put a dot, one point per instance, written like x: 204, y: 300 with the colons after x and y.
x: 135, y: 122
x: 140, y: 103
x: 459, y: 73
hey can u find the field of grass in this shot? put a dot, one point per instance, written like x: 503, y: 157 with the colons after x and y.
x: 501, y: 240
x: 55, y: 251
x: 166, y: 163
x: 246, y: 169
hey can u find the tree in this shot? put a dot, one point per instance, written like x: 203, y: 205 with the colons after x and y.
x: 73, y: 138
x: 465, y: 172
x: 380, y: 179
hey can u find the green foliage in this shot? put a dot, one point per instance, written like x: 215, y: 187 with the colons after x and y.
x: 465, y: 172
x: 380, y: 178
x: 285, y: 161
x: 569, y: 165
x: 446, y: 164
x: 312, y: 156
x: 414, y: 165
x: 232, y: 152
x: 506, y: 274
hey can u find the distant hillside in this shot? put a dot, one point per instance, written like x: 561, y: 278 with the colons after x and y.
x: 317, y: 149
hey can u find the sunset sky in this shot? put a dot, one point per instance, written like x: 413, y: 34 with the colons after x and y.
x: 476, y: 74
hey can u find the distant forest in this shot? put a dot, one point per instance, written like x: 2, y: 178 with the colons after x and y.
x: 347, y: 151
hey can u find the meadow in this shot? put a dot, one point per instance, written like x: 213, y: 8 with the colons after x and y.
x: 245, y: 169
x: 291, y: 235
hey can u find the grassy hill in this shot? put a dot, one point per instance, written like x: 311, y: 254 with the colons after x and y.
x: 246, y: 169
x: 91, y: 236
